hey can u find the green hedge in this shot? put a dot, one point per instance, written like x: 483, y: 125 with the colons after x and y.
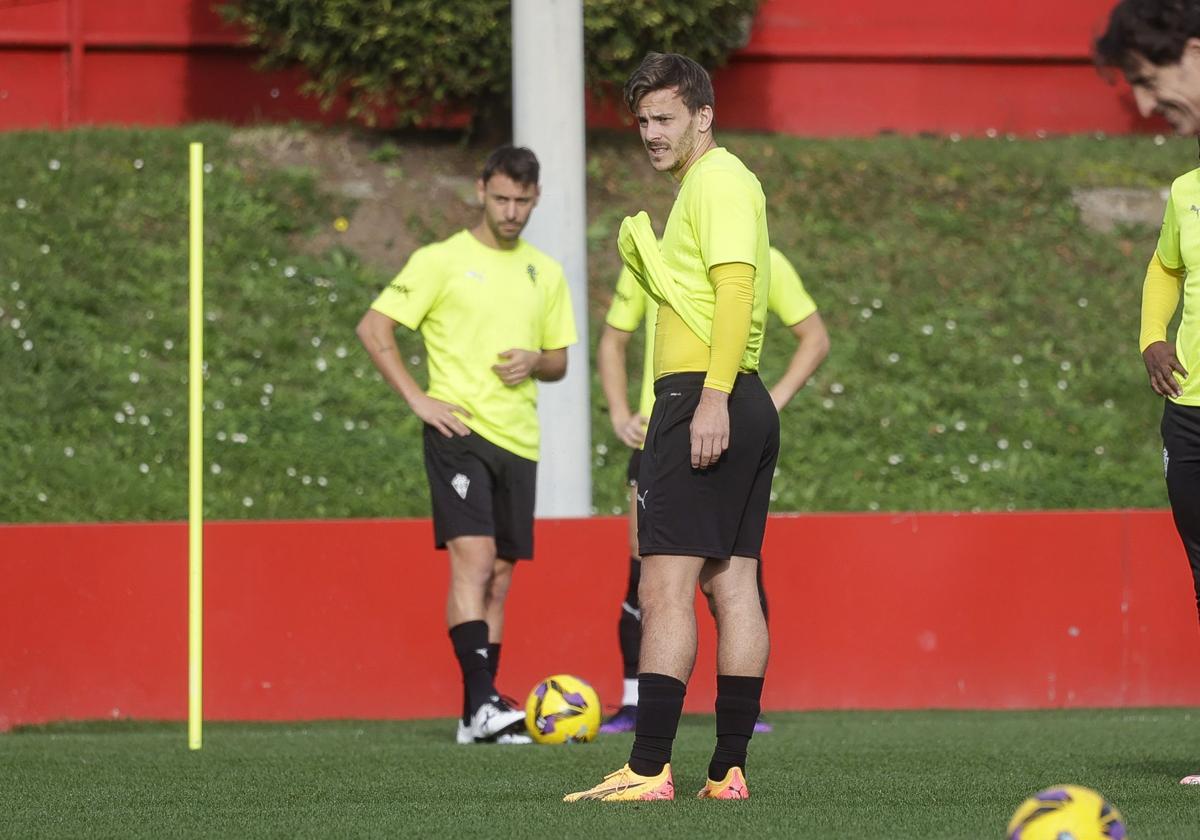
x: 422, y: 57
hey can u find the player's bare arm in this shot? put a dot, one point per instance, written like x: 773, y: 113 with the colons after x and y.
x: 516, y: 365
x: 377, y: 332
x: 1161, y: 366
x: 812, y: 346
x: 630, y: 428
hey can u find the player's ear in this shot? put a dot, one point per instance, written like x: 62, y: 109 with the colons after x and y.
x: 704, y: 118
x: 537, y: 194
x: 480, y: 190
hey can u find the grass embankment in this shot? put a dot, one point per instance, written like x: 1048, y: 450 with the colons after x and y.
x: 983, y: 339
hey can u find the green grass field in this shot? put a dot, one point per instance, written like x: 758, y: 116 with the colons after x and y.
x: 887, y: 775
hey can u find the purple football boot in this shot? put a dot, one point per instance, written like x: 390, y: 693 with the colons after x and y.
x: 624, y: 720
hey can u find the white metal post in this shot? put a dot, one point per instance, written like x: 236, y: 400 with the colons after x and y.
x: 548, y: 117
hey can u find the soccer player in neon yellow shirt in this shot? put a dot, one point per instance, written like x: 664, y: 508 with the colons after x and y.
x: 630, y: 307
x: 1156, y: 44
x: 704, y: 485
x: 495, y: 315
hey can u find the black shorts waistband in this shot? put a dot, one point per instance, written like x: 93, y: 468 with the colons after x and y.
x: 694, y: 380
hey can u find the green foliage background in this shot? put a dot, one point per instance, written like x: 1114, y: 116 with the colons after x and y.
x: 422, y: 57
x: 983, y: 339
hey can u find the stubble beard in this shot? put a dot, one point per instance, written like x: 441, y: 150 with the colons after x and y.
x: 499, y: 234
x: 681, y: 149
x: 687, y: 147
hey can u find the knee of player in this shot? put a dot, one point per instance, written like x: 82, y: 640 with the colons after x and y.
x: 500, y: 582
x: 731, y: 599
x: 655, y: 596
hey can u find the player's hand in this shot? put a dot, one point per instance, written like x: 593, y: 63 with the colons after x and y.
x: 441, y: 415
x: 516, y: 365
x: 710, y: 428
x: 631, y: 431
x: 1161, y: 364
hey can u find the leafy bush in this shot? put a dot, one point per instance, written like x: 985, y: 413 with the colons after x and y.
x: 418, y: 58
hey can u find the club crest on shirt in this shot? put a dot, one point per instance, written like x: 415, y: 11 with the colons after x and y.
x: 476, y: 276
x: 460, y: 483
x: 532, y: 272
x: 1195, y: 210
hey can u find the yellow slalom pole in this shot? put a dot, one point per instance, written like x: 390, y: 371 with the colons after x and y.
x: 196, y: 446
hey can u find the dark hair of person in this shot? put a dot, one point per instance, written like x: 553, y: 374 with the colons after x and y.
x: 1157, y: 30
x: 660, y: 71
x: 516, y: 162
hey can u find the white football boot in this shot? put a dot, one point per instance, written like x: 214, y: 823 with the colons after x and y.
x: 493, y: 718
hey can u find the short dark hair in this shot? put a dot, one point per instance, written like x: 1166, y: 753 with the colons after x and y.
x: 1155, y: 29
x: 516, y: 162
x: 659, y: 71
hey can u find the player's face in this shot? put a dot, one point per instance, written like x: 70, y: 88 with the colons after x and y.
x: 671, y: 134
x: 506, y: 206
x: 1172, y: 90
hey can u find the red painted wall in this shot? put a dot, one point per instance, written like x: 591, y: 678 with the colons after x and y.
x: 852, y: 68
x: 345, y: 619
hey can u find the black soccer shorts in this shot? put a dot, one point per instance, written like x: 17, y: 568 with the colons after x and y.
x: 479, y: 489
x: 635, y: 464
x: 717, y: 512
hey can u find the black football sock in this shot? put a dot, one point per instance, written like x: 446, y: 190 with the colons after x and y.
x: 629, y: 627
x: 660, y: 703
x: 494, y: 660
x: 738, y: 706
x: 493, y: 667
x: 471, y: 647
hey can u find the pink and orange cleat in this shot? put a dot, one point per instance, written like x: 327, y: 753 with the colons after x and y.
x: 626, y: 786
x: 733, y: 786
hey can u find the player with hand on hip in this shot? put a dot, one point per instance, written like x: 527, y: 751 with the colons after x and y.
x: 495, y: 315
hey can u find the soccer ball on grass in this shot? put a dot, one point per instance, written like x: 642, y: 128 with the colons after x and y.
x: 562, y: 709
x: 1066, y: 812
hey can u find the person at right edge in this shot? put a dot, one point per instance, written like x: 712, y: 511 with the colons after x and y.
x: 1156, y: 45
x: 704, y: 485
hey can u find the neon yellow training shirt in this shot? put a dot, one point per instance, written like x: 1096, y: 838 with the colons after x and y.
x: 471, y: 303
x: 719, y: 217
x: 631, y: 305
x: 1178, y: 249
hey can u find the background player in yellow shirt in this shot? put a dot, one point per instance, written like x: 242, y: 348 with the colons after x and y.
x: 630, y: 307
x: 1156, y: 44
x: 495, y: 314
x: 704, y: 485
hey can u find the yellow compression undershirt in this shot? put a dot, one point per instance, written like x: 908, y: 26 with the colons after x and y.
x: 1160, y: 298
x: 678, y: 349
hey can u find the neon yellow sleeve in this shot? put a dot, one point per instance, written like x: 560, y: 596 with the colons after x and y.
x: 1160, y: 297
x: 733, y: 284
x: 628, y: 303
